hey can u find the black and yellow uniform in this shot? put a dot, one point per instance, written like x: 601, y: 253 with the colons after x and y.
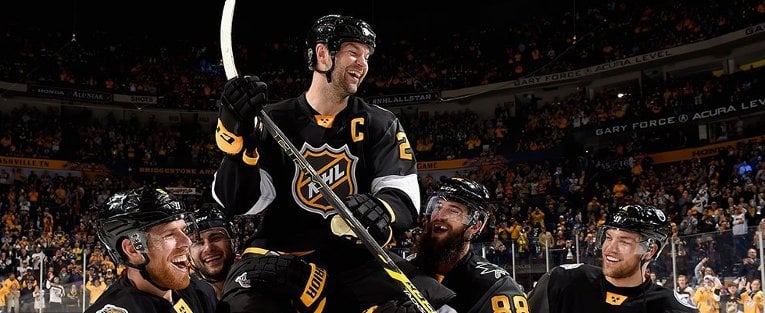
x: 238, y: 294
x: 584, y: 288
x: 362, y: 149
x: 204, y: 291
x: 482, y: 287
x: 244, y: 290
x: 122, y: 296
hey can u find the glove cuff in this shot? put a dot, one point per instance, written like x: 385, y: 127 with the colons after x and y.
x: 227, y: 141
x: 388, y: 208
x: 313, y: 297
x: 250, y: 157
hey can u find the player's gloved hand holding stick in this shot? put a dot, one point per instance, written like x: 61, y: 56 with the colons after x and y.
x: 242, y: 100
x: 372, y: 212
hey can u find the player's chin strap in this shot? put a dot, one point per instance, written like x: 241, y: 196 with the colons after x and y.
x: 643, y: 267
x: 145, y: 273
x: 476, y: 218
x: 328, y: 72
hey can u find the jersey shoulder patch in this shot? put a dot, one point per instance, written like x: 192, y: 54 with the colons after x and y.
x: 683, y: 300
x: 570, y: 266
x: 488, y: 268
x: 111, y: 308
x: 243, y: 281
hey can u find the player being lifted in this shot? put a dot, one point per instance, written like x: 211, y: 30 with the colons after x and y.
x: 362, y: 152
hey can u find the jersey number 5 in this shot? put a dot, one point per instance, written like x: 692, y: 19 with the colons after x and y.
x: 501, y: 304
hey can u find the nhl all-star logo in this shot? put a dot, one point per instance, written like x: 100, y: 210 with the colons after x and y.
x: 335, y: 166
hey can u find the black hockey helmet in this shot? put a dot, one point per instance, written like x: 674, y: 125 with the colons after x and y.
x: 464, y: 191
x: 129, y: 215
x: 646, y: 220
x: 333, y: 30
x: 210, y: 217
x: 213, y: 227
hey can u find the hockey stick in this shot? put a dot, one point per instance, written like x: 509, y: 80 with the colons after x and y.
x: 382, y: 257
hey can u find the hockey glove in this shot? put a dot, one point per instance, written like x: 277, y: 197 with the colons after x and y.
x: 374, y: 214
x: 291, y: 277
x: 242, y: 99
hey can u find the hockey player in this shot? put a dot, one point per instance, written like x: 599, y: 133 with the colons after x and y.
x: 360, y: 149
x: 148, y: 231
x: 630, y: 239
x: 212, y: 252
x: 457, y: 213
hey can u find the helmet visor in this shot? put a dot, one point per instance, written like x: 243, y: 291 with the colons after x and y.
x: 438, y: 206
x: 623, y: 241
x: 189, y: 230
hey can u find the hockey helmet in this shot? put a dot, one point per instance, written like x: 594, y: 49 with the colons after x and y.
x: 464, y: 191
x: 333, y: 30
x: 648, y: 221
x: 211, y: 217
x: 130, y: 214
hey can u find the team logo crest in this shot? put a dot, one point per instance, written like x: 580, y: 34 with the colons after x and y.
x: 337, y: 167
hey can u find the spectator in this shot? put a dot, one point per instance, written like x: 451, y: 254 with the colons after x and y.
x: 95, y: 287
x: 497, y: 251
x: 681, y: 248
x: 690, y: 223
x: 740, y: 231
x: 702, y: 271
x: 620, y: 190
x: 546, y: 240
x: 26, y: 298
x: 730, y: 299
x: 684, y: 292
x: 38, y: 299
x: 13, y: 299
x: 56, y: 293
x: 707, y: 296
x: 751, y: 296
x: 11, y: 282
x: 72, y: 300
x: 750, y: 266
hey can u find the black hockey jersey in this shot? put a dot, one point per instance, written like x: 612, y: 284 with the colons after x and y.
x: 363, y: 149
x: 482, y: 287
x: 584, y: 288
x: 123, y: 297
